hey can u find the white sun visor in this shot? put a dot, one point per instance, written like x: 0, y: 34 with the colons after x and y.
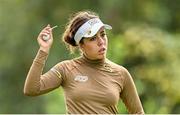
x: 89, y: 29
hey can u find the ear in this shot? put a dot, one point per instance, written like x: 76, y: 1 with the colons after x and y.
x: 81, y: 47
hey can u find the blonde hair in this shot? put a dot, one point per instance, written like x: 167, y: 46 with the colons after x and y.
x: 75, y: 21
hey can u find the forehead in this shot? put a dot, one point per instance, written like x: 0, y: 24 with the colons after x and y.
x: 102, y: 29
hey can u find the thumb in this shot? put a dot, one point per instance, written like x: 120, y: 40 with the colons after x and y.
x: 48, y: 25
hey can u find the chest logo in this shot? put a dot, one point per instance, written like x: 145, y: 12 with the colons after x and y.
x: 81, y: 78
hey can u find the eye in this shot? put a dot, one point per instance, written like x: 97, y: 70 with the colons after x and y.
x: 103, y: 34
x: 93, y: 38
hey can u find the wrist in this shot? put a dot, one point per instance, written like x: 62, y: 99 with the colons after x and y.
x: 46, y: 50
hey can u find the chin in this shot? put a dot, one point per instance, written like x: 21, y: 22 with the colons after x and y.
x: 101, y: 56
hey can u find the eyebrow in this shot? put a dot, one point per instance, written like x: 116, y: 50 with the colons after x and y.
x: 102, y: 31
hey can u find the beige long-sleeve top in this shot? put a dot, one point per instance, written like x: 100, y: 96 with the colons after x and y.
x: 90, y: 87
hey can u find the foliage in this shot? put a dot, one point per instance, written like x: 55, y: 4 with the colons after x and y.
x: 151, y: 55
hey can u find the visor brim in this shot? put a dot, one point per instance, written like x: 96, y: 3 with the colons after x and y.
x: 95, y: 29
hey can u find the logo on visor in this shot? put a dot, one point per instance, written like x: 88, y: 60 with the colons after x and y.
x: 94, y: 21
x: 89, y: 32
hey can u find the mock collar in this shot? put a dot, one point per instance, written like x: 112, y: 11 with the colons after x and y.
x: 98, y: 62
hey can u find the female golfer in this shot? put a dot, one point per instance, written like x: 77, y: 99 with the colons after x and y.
x: 92, y: 84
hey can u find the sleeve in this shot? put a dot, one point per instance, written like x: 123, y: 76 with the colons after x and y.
x: 130, y: 96
x: 36, y: 83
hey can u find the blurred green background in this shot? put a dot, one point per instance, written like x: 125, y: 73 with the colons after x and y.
x: 145, y: 39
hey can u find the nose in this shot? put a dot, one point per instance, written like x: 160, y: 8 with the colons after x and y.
x: 100, y: 41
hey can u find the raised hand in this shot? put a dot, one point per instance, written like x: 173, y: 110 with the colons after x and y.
x: 45, y: 38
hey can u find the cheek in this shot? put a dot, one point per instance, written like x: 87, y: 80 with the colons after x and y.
x: 90, y: 48
x: 106, y: 41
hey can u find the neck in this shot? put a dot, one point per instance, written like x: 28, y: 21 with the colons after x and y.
x: 93, y: 61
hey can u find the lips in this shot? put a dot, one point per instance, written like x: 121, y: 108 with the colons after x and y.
x: 102, y: 50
